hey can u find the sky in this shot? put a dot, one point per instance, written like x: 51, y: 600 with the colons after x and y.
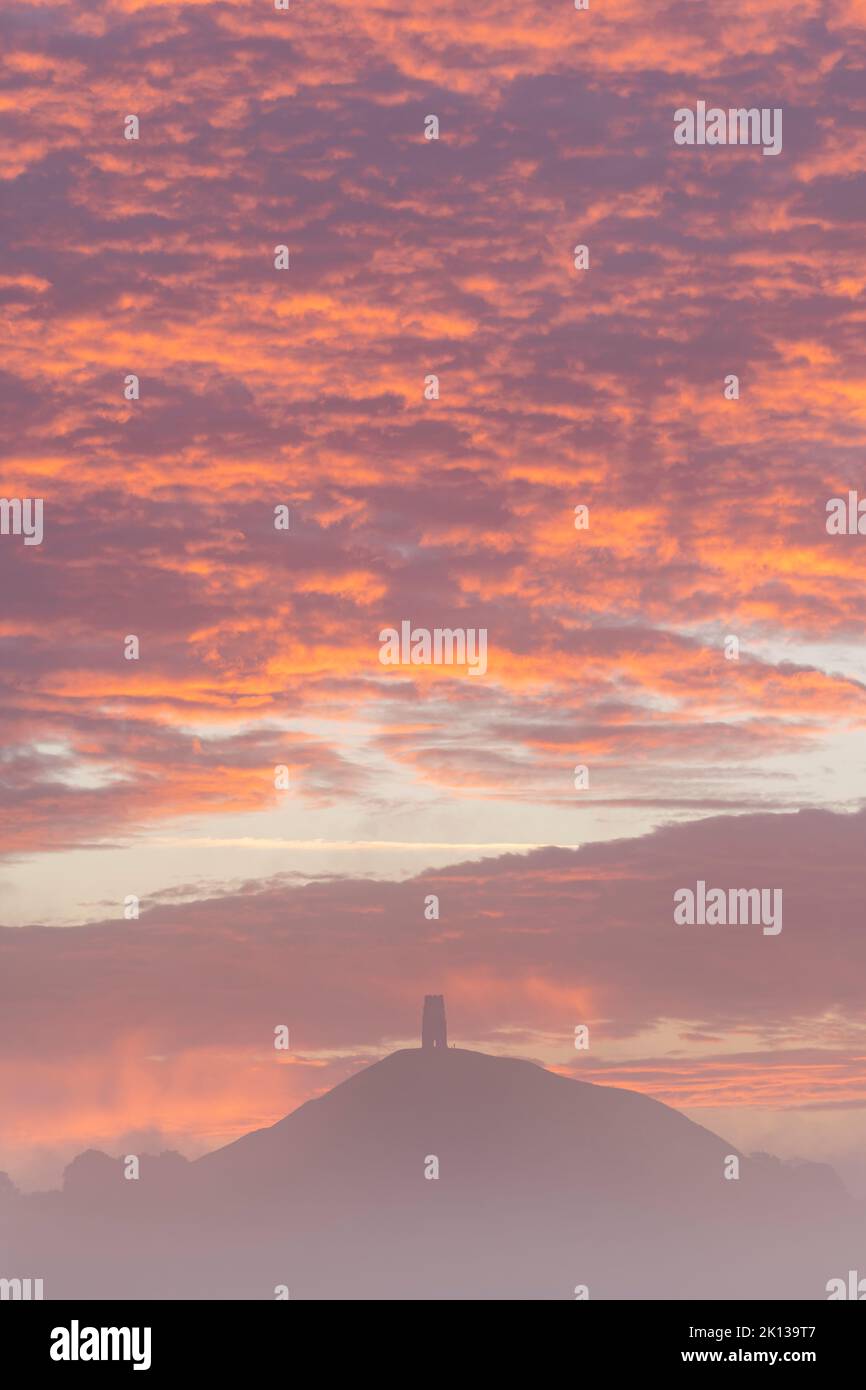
x: 608, y: 646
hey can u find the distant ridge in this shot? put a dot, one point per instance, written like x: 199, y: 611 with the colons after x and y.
x: 544, y: 1184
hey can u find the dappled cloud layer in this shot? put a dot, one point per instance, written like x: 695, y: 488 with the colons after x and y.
x: 558, y: 388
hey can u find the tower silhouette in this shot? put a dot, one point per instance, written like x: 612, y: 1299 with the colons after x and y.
x: 433, y: 1029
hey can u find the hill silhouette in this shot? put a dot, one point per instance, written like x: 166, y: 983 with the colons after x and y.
x: 545, y: 1183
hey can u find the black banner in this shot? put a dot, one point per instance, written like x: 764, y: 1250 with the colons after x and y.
x: 211, y: 1338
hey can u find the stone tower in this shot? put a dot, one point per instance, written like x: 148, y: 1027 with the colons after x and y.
x: 433, y: 1030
